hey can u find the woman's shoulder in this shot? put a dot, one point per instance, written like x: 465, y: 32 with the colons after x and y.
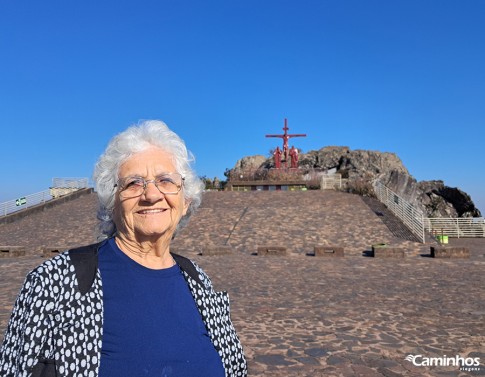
x: 64, y: 264
x: 54, y: 267
x: 203, y: 276
x: 73, y: 270
x: 193, y: 270
x: 43, y: 283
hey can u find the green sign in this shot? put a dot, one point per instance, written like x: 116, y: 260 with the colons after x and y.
x: 20, y: 201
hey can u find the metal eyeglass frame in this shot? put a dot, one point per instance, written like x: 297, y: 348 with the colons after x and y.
x: 147, y: 181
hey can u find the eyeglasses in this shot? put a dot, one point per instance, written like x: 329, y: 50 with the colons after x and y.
x: 167, y: 184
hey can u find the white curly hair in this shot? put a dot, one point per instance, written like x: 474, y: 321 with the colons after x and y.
x: 135, y: 139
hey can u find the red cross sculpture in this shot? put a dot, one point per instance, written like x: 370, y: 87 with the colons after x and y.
x: 285, y: 138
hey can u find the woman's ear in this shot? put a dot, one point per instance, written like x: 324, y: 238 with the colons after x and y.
x: 186, y: 206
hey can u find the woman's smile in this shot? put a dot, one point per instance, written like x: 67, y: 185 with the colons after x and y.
x: 152, y: 211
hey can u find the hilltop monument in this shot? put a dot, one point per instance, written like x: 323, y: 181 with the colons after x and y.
x: 359, y: 170
x: 280, y: 171
x: 286, y: 153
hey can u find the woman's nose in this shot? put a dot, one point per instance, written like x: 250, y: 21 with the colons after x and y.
x: 151, y: 192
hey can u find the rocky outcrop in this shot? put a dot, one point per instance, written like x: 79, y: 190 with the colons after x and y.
x: 250, y: 162
x: 353, y: 164
x: 434, y: 198
x: 363, y: 168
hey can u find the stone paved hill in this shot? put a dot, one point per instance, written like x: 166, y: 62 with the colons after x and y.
x: 66, y: 225
x: 243, y: 220
x: 298, y: 220
x: 300, y: 316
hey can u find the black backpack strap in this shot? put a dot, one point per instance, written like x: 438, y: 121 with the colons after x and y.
x: 85, y: 262
x: 186, y: 265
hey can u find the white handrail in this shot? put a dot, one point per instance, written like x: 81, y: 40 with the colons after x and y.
x: 61, y: 186
x: 456, y: 226
x: 70, y: 182
x: 331, y: 181
x: 24, y: 202
x: 412, y: 217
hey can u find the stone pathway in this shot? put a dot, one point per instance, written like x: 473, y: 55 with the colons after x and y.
x: 299, y: 315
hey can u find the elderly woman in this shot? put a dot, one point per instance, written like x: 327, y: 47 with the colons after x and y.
x: 127, y: 306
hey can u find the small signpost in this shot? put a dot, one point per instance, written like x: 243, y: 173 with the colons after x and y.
x: 20, y: 201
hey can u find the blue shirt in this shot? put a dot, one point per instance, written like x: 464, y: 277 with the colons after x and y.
x: 151, y: 326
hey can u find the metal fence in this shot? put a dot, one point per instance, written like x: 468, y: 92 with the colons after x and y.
x: 24, y: 202
x: 412, y: 217
x: 283, y: 174
x: 456, y: 227
x: 331, y: 181
x: 60, y: 187
x: 77, y: 183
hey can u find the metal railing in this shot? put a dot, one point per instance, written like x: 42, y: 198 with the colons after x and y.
x: 456, y: 227
x: 272, y: 174
x: 60, y: 187
x: 23, y: 202
x: 77, y: 183
x: 310, y: 176
x: 331, y: 181
x: 412, y: 217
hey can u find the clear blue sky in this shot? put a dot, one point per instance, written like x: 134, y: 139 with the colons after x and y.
x: 399, y: 76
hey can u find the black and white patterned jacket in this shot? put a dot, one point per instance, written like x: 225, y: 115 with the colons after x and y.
x: 56, y: 325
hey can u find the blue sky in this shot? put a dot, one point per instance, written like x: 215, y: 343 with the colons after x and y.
x: 395, y: 76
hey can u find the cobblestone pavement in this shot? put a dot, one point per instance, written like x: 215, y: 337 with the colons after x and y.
x: 299, y: 315
x: 296, y: 220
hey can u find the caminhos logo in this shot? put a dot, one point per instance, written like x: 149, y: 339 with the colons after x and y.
x: 411, y: 358
x: 468, y: 364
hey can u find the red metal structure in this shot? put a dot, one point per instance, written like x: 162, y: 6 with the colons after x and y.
x: 285, y: 138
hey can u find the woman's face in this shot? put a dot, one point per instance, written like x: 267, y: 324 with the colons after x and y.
x: 152, y: 214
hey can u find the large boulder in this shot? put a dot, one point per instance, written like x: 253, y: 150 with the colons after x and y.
x: 250, y: 162
x: 328, y: 157
x: 433, y: 198
x: 352, y: 164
